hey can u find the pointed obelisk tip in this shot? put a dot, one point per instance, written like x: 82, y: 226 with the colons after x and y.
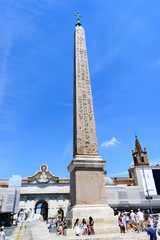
x: 78, y: 21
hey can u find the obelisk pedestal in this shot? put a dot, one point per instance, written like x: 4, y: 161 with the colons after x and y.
x: 87, y: 185
x: 88, y: 194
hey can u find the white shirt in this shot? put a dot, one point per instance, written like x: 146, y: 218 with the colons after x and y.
x: 77, y: 229
x: 140, y: 216
x: 132, y: 215
x: 2, y: 235
x: 151, y: 222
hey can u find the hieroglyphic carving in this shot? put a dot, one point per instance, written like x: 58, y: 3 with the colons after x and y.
x: 85, y: 140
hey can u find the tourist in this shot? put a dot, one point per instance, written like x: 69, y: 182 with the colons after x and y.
x: 151, y: 233
x: 127, y: 220
x: 60, y: 227
x: 146, y: 222
x: 115, y: 212
x: 151, y: 221
x: 121, y: 224
x: 134, y: 223
x: 136, y: 219
x: 140, y: 216
x: 91, y: 226
x: 124, y: 218
x: 2, y: 234
x: 132, y: 216
x: 77, y: 228
x: 84, y: 227
x: 48, y: 225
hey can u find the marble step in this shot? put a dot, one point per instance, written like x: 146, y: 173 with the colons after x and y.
x: 40, y: 232
x: 127, y: 236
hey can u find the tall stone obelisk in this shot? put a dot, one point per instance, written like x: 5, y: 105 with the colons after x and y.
x: 87, y: 185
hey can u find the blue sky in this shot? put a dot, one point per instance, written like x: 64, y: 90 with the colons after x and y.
x: 36, y: 81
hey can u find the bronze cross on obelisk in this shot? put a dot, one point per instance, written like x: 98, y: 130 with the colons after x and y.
x: 78, y: 16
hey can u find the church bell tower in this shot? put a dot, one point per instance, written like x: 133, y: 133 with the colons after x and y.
x: 139, y: 156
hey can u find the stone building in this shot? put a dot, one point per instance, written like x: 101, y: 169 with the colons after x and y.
x: 45, y: 193
x: 48, y: 194
x: 141, y: 189
x: 122, y: 193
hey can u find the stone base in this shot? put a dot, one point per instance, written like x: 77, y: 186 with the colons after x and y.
x: 102, y: 214
x: 87, y: 184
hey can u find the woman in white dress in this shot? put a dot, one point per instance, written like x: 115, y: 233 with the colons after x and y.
x: 77, y: 228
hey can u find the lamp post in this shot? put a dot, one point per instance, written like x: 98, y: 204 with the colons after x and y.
x: 141, y: 154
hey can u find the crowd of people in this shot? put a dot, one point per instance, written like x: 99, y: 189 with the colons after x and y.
x: 87, y: 228
x: 134, y: 221
x: 127, y: 221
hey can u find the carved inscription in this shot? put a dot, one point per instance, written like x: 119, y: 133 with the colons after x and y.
x: 85, y: 140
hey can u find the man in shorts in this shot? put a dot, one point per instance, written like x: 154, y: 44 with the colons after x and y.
x: 140, y: 219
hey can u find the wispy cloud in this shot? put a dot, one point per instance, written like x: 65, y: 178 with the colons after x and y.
x: 65, y: 104
x: 107, y: 59
x: 119, y: 174
x: 112, y: 142
x: 17, y: 23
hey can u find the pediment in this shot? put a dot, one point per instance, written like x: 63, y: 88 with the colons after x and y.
x: 43, y: 176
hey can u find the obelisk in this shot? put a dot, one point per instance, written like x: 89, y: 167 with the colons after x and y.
x: 87, y: 185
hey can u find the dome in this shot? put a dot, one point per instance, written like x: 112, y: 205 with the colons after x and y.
x: 132, y: 165
x: 108, y: 181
